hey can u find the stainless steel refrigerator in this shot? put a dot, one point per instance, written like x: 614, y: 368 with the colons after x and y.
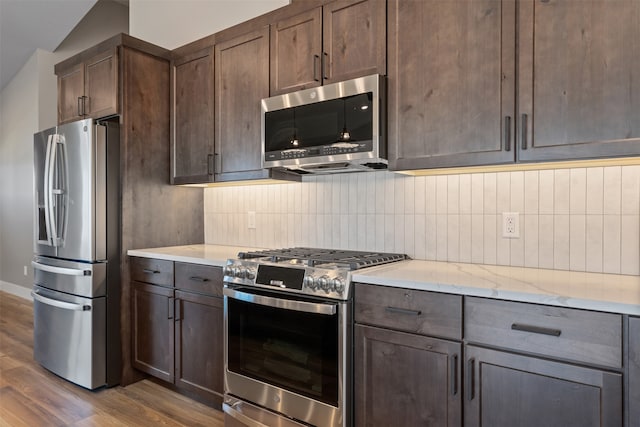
x: 76, y: 265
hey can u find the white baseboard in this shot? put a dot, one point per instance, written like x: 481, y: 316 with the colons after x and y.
x: 17, y: 290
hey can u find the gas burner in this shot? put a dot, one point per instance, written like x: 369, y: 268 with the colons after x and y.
x: 315, y: 257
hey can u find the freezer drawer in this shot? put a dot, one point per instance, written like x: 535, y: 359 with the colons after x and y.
x: 69, y: 336
x: 76, y: 278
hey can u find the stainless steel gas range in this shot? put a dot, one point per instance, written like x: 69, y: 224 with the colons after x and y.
x: 288, y: 336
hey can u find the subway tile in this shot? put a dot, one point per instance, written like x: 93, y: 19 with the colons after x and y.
x: 630, y: 176
x: 531, y: 243
x: 389, y: 232
x: 477, y: 238
x: 630, y: 245
x: 360, y: 242
x: 441, y: 237
x: 431, y: 227
x: 517, y: 246
x: 490, y: 193
x: 503, y: 245
x: 578, y: 191
x: 370, y: 193
x: 389, y: 195
x: 595, y: 195
x: 593, y: 243
x: 350, y: 238
x: 561, y: 191
x: 441, y: 194
x: 453, y: 237
x: 430, y: 195
x: 453, y: 194
x: 561, y: 242
x: 337, y: 196
x: 362, y: 192
x: 399, y: 194
x: 380, y: 232
x: 490, y: 239
x: 477, y: 190
x: 409, y: 195
x: 611, y: 244
x: 465, y: 240
x: 420, y: 241
x: 313, y: 199
x: 465, y: 193
x: 370, y: 232
x: 517, y: 192
x: 612, y: 190
x: 545, y: 241
x: 419, y: 195
x: 546, y: 185
x: 503, y: 192
x: 531, y: 192
x: 577, y: 243
x: 408, y: 233
x: 380, y: 202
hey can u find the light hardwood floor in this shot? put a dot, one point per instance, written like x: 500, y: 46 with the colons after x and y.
x: 31, y: 396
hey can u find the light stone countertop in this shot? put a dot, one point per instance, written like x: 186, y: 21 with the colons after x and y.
x: 592, y: 291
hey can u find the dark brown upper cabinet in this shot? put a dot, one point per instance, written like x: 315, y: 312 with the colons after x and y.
x: 89, y: 88
x: 241, y: 81
x: 579, y: 79
x: 192, y: 109
x: 341, y: 40
x: 452, y: 86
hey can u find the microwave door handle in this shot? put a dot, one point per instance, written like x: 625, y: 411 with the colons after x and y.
x: 60, y: 270
x: 308, y: 307
x: 59, y: 304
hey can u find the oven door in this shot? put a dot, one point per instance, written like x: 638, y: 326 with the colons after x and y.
x: 290, y: 355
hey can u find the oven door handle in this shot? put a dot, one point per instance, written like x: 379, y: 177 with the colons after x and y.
x: 308, y: 307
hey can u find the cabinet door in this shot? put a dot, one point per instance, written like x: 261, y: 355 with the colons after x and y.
x: 192, y: 118
x: 354, y: 37
x: 70, y: 94
x: 199, y: 345
x: 579, y: 79
x: 406, y: 380
x: 634, y: 372
x: 506, y: 390
x: 296, y: 49
x: 101, y: 85
x: 153, y: 329
x: 451, y: 87
x: 242, y: 80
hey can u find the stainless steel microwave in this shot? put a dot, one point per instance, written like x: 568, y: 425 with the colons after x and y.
x: 328, y: 129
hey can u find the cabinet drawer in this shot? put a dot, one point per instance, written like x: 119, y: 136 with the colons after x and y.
x: 148, y: 270
x: 427, y: 313
x: 203, y: 279
x: 577, y: 335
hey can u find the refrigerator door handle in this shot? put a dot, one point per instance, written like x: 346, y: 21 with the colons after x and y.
x: 49, y: 194
x: 60, y: 304
x: 48, y: 174
x: 60, y: 270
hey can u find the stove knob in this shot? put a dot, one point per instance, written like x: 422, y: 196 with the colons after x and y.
x: 338, y: 285
x: 324, y: 283
x: 241, y: 272
x: 251, y: 273
x: 228, y: 270
x: 309, y: 282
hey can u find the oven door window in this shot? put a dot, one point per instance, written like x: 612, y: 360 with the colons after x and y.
x: 293, y: 350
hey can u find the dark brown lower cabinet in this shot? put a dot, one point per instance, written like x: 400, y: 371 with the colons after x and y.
x: 198, y: 345
x: 152, y: 309
x: 404, y: 379
x: 506, y: 390
x: 634, y: 373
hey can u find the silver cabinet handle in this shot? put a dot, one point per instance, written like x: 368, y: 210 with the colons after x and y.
x: 308, y: 307
x: 60, y: 270
x: 60, y: 304
x: 234, y: 413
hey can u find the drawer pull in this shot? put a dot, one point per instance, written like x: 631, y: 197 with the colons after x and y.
x: 148, y: 271
x: 198, y: 279
x: 403, y: 311
x: 454, y: 374
x: 470, y: 378
x: 536, y: 329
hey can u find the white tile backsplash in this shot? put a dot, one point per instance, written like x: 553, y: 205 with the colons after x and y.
x: 583, y: 219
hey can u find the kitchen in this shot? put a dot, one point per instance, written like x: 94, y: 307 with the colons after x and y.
x: 579, y: 226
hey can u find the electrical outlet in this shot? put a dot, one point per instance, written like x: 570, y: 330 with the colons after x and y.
x: 251, y: 220
x: 511, y: 225
x: 25, y: 271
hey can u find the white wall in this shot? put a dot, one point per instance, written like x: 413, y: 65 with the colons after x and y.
x: 28, y: 104
x: 174, y: 23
